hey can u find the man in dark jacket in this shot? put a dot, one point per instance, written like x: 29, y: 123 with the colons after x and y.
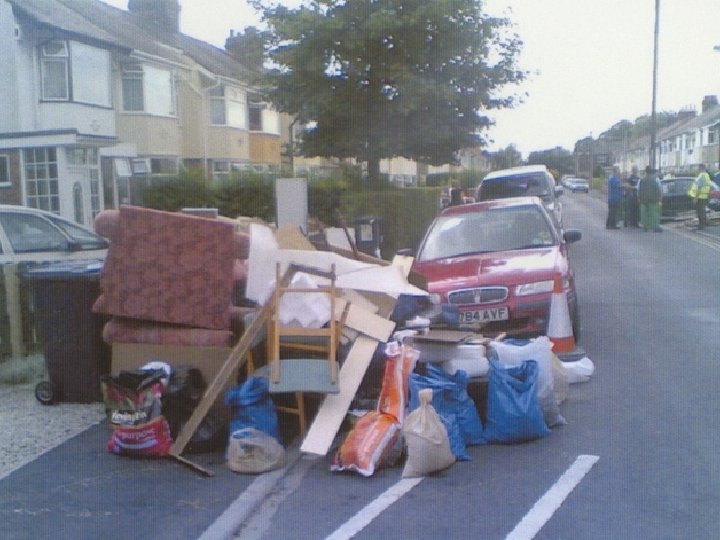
x: 632, y: 206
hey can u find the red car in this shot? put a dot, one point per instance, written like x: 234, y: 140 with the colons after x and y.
x: 493, y: 265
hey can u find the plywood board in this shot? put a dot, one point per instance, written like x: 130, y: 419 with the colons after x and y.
x: 366, y: 322
x: 334, y: 407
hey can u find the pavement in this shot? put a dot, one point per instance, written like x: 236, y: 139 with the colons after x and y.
x: 79, y: 491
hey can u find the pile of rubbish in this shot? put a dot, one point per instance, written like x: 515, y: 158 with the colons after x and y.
x: 425, y: 413
x: 423, y: 416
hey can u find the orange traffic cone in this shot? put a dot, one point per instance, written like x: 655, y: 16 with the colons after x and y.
x: 559, y: 328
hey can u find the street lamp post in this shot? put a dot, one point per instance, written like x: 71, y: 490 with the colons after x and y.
x: 653, y: 122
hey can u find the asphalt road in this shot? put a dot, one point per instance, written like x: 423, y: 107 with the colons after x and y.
x: 637, y: 459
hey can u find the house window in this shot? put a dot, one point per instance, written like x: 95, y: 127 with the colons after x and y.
x: 54, y: 66
x: 263, y: 119
x: 4, y: 171
x: 94, y: 192
x: 220, y: 171
x: 255, y: 113
x: 139, y: 166
x: 712, y: 136
x: 148, y: 89
x: 41, y: 178
x: 132, y: 88
x: 81, y: 156
x: 122, y: 167
x: 73, y: 71
x: 163, y: 166
x: 228, y: 107
x: 90, y: 74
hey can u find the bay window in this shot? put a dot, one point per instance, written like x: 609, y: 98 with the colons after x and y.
x: 148, y: 89
x: 228, y: 107
x: 73, y: 71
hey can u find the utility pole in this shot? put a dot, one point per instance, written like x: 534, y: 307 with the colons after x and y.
x: 653, y: 119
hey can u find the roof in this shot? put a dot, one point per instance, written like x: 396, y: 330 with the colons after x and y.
x: 706, y: 118
x: 525, y: 169
x: 95, y: 21
x: 492, y: 204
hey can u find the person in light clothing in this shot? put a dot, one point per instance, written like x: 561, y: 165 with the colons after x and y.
x: 700, y: 191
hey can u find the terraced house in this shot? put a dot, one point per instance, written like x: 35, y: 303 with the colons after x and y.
x: 99, y: 101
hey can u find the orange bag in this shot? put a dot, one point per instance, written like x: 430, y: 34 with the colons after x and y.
x: 367, y: 444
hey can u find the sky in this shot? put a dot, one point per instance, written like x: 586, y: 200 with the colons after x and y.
x: 590, y: 61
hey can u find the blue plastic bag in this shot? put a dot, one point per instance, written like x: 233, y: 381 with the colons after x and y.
x: 513, y: 411
x: 253, y: 407
x: 455, y: 407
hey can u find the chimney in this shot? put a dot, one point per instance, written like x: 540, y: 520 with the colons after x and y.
x: 709, y: 102
x: 164, y: 14
x: 686, y: 113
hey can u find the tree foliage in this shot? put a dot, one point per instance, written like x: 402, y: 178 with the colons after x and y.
x: 559, y: 159
x: 505, y: 158
x: 377, y: 79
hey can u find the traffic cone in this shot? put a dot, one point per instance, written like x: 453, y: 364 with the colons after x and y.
x: 559, y: 328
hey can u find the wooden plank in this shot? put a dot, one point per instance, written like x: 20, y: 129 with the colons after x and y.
x: 368, y: 323
x: 405, y: 262
x: 335, y: 406
x: 236, y: 359
x: 14, y: 310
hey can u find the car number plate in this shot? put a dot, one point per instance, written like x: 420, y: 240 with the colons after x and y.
x: 484, y: 315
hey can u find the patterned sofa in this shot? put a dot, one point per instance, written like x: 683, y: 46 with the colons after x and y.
x: 168, y: 284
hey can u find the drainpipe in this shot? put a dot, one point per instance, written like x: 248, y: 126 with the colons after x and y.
x: 203, y: 93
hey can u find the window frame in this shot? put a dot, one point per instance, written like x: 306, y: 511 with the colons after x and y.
x: 228, y: 107
x: 62, y: 58
x: 81, y: 73
x: 42, y: 183
x: 156, y: 93
x: 5, y: 180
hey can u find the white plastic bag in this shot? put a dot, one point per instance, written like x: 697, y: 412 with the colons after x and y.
x: 427, y: 440
x: 579, y: 371
x: 253, y: 451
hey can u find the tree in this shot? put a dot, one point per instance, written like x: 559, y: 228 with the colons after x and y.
x: 505, y: 158
x: 557, y: 158
x: 376, y: 79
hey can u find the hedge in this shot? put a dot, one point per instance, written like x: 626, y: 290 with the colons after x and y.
x: 405, y: 213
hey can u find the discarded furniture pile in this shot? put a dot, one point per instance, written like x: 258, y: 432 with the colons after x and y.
x: 226, y: 331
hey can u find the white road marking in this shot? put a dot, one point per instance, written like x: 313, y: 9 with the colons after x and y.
x: 363, y: 518
x: 546, y: 506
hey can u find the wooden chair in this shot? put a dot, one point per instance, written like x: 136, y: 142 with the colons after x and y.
x: 315, y: 373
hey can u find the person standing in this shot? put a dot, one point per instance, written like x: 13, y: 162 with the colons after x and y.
x: 614, y: 198
x: 650, y: 198
x: 456, y: 194
x: 632, y: 206
x: 700, y: 191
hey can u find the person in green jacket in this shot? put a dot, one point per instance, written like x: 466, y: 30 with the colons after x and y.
x: 650, y: 197
x: 700, y: 191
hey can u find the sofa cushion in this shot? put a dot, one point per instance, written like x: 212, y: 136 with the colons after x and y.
x: 169, y: 267
x: 120, y: 330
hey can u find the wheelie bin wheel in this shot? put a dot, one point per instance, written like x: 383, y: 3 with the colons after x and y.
x: 44, y: 393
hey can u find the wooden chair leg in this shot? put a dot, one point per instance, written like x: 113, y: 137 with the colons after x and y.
x: 250, y: 363
x: 300, y: 399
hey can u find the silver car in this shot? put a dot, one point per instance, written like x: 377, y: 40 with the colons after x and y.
x: 32, y: 235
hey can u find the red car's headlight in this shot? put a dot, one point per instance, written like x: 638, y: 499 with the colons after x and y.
x: 536, y: 287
